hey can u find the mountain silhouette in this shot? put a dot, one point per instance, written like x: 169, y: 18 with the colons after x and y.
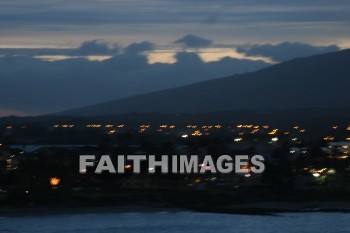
x: 321, y: 81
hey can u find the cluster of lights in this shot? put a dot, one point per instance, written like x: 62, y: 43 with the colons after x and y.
x: 322, y: 173
x: 166, y: 126
x: 254, y: 131
x: 273, y: 132
x: 197, y: 133
x: 328, y: 138
x: 63, y: 126
x: 245, y: 126
x: 143, y: 128
x: 93, y: 126
x: 106, y: 126
x: 204, y: 129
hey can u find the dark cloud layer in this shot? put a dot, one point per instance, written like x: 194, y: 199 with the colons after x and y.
x: 87, y: 48
x: 82, y: 12
x: 58, y: 22
x: 285, y: 51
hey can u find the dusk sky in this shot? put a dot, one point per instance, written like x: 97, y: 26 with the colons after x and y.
x: 141, y: 33
x: 63, y: 23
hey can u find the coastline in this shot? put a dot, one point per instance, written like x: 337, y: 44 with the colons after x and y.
x: 263, y: 208
x: 273, y: 208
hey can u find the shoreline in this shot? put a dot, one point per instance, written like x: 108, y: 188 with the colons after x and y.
x: 266, y: 208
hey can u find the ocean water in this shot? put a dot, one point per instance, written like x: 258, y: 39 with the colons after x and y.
x: 178, y: 222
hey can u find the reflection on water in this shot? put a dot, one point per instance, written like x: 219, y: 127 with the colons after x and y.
x: 178, y: 222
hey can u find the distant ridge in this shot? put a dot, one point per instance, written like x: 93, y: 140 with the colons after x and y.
x: 321, y: 81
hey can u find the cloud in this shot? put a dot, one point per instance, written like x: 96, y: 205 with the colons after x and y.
x: 136, y: 48
x: 87, y: 48
x: 36, y: 51
x: 285, y: 51
x: 96, y: 47
x: 193, y: 41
